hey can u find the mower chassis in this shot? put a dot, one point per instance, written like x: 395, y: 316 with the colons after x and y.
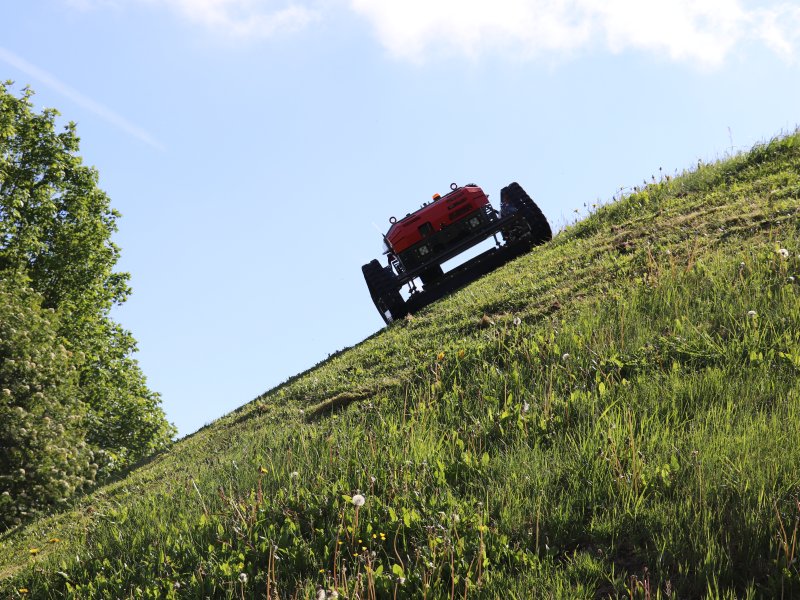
x: 464, y: 274
x: 521, y: 231
x: 506, y: 223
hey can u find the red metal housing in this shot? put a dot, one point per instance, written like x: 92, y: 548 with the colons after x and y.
x: 434, y: 217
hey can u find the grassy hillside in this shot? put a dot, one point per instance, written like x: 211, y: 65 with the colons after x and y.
x: 615, y: 414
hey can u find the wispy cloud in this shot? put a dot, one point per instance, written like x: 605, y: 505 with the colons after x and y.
x: 248, y: 18
x: 58, y: 86
x: 232, y: 18
x: 704, y: 32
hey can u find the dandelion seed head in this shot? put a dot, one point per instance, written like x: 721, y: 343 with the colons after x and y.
x: 359, y: 500
x: 294, y: 475
x: 752, y: 314
x: 242, y: 577
x: 784, y: 253
x: 517, y: 321
x: 565, y: 356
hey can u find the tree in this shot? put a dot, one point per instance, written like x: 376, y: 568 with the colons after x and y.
x: 44, y: 457
x: 55, y: 236
x: 55, y: 223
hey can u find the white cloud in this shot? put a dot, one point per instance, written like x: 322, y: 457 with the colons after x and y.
x: 705, y: 32
x: 702, y: 32
x: 78, y: 98
x: 779, y: 29
x: 234, y: 18
x: 90, y: 4
x: 247, y: 18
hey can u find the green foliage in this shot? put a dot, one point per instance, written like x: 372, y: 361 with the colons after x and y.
x: 55, y: 237
x: 622, y: 423
x: 55, y: 223
x: 126, y: 421
x: 43, y: 456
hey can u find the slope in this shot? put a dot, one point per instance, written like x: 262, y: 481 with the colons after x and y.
x: 613, y: 414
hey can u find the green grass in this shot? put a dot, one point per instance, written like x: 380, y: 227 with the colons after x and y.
x: 619, y: 425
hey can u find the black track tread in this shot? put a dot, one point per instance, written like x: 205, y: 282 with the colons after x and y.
x: 383, y: 289
x: 431, y: 275
x: 540, y: 228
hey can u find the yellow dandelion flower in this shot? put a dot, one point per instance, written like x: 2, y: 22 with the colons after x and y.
x: 440, y: 356
x: 23, y: 590
x: 374, y: 535
x: 34, y: 551
x: 54, y: 540
x: 461, y: 353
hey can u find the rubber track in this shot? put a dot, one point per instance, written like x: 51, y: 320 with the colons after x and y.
x: 383, y: 288
x: 540, y: 228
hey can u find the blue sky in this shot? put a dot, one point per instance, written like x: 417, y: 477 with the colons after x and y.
x: 253, y: 146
